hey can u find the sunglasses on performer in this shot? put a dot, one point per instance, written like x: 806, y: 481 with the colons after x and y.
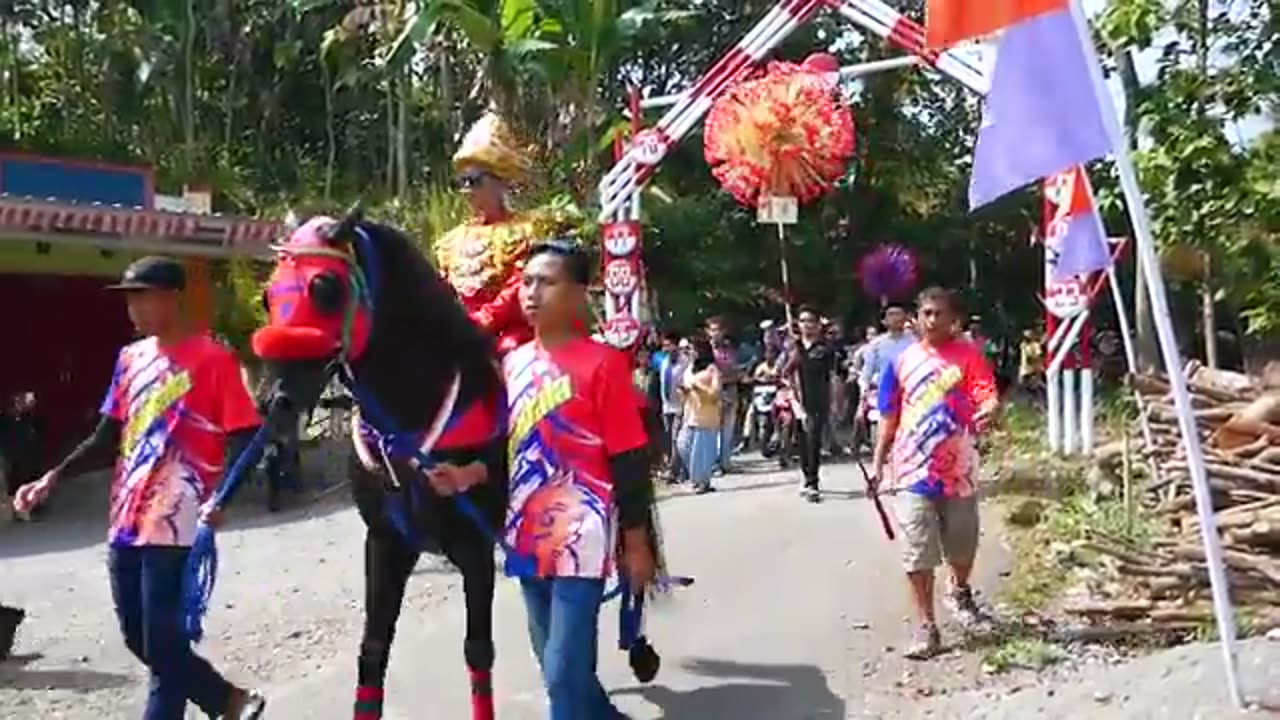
x: 471, y: 180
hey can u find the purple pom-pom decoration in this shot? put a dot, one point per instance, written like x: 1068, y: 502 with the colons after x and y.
x: 888, y: 273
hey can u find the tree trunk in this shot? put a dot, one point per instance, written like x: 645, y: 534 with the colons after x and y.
x: 330, y: 134
x: 189, y: 90
x: 402, y: 133
x: 1145, y: 346
x: 232, y: 38
x: 1206, y: 284
x: 1207, y: 318
x: 391, y: 134
x: 446, y: 87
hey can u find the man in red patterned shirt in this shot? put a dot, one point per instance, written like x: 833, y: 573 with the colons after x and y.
x: 935, y: 396
x: 579, y: 468
x: 177, y: 413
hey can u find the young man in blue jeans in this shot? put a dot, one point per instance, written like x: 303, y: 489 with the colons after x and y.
x: 579, y: 473
x: 177, y: 413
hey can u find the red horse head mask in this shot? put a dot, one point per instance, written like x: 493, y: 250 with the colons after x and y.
x: 318, y: 304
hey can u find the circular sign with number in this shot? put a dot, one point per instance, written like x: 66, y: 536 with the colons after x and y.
x: 620, y: 277
x: 621, y: 239
x: 650, y: 147
x: 1062, y: 298
x: 622, y: 331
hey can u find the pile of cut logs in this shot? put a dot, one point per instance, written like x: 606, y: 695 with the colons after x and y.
x: 1164, y: 585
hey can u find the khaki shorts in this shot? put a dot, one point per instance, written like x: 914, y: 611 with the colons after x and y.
x: 937, y: 528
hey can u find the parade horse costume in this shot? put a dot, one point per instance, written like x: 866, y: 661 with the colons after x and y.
x: 359, y: 300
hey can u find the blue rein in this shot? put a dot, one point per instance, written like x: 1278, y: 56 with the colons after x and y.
x: 396, y: 443
x: 201, y: 571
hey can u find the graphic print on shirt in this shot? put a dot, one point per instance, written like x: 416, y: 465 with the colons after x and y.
x: 933, y: 451
x: 560, y: 508
x: 170, y: 450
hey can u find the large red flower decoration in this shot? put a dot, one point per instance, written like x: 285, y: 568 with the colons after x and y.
x: 787, y: 132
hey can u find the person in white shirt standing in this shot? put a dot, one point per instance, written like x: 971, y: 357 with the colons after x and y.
x: 881, y: 352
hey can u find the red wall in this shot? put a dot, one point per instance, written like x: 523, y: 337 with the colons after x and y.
x: 62, y: 334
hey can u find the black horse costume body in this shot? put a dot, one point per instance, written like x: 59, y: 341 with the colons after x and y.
x: 410, y: 348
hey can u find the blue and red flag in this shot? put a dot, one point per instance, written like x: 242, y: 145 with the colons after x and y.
x: 1042, y: 114
x: 948, y: 22
x: 1073, y: 230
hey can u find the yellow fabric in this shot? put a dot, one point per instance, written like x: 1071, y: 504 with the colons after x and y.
x: 475, y: 255
x: 1032, y: 360
x: 702, y: 398
x: 491, y: 144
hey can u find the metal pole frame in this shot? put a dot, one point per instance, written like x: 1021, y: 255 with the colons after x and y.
x: 623, y: 182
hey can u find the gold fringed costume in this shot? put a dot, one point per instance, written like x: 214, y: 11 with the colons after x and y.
x: 482, y: 258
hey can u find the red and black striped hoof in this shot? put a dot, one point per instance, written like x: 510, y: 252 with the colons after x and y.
x: 482, y: 695
x: 368, y: 703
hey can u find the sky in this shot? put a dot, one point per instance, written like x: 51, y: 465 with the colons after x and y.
x: 1145, y: 65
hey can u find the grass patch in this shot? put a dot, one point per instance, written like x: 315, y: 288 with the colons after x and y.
x: 1071, y: 513
x: 1027, y: 653
x: 1036, y: 577
x: 1020, y: 432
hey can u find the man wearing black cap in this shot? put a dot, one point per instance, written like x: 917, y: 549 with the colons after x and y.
x: 177, y: 413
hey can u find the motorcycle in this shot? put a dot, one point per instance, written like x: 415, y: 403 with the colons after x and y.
x: 763, y: 396
x: 866, y: 422
x: 784, y: 423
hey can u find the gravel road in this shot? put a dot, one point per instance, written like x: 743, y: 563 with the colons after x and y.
x: 798, y: 613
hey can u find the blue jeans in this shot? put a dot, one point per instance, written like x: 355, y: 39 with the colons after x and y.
x: 699, y: 445
x: 146, y: 586
x: 563, y: 629
x: 728, y: 428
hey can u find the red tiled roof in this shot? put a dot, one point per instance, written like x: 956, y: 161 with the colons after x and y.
x: 232, y: 235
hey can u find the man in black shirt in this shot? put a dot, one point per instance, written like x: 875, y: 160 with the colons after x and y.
x: 813, y: 363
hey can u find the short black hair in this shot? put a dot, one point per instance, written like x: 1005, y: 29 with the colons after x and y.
x: 671, y: 336
x: 809, y: 309
x: 577, y: 263
x: 942, y: 295
x: 893, y: 306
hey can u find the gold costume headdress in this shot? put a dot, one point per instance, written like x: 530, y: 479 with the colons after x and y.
x: 491, y: 144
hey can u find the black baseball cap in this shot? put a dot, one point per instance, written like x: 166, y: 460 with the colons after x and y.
x: 152, y: 273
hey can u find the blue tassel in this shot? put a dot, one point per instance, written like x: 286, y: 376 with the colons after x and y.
x: 201, y: 572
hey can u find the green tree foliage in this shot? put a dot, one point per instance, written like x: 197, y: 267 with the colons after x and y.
x: 1215, y: 66
x: 309, y: 104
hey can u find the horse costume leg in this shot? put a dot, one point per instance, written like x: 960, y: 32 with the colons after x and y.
x: 478, y: 567
x: 388, y: 562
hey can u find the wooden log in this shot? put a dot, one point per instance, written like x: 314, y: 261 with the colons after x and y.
x: 1259, y: 479
x: 1261, y: 566
x: 1181, y: 614
x: 1182, y: 571
x: 1260, y: 534
x: 1126, y: 609
x: 1130, y: 555
x: 1108, y: 633
x: 1267, y: 509
x: 1225, y: 383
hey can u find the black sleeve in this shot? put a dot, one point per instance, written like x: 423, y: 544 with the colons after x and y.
x: 237, y: 442
x: 632, y: 487
x: 95, y: 450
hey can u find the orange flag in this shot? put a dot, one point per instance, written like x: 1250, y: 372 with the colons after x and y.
x: 948, y: 22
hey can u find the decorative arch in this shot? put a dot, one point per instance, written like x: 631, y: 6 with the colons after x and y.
x: 622, y: 271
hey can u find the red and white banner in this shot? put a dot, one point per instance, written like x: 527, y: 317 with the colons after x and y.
x: 622, y: 276
x: 1065, y: 196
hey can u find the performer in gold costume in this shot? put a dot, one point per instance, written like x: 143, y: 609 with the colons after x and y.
x: 483, y: 257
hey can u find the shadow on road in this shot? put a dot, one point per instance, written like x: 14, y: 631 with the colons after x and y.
x: 778, y: 692
x: 76, y: 516
x: 82, y: 680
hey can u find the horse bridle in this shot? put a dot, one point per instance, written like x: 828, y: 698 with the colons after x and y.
x: 361, y: 289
